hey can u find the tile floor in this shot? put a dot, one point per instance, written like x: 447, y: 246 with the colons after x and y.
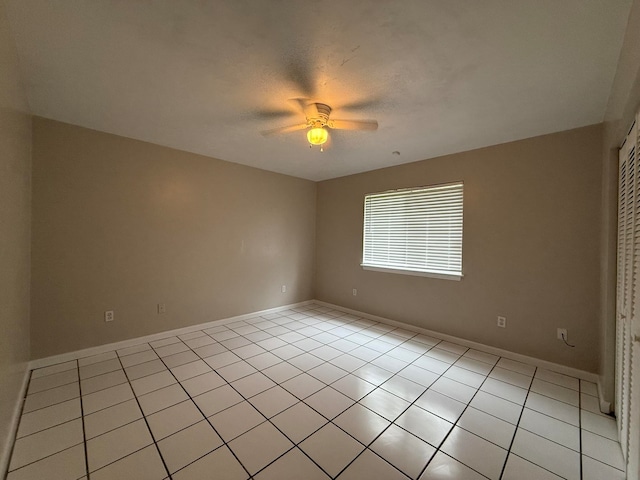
x: 310, y: 393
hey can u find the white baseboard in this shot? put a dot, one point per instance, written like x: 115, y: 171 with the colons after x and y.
x: 87, y: 352
x: 556, y: 367
x: 5, y: 455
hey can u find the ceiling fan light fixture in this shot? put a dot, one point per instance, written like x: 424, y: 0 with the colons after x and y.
x: 317, y: 136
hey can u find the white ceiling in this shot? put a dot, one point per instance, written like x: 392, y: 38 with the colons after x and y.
x: 207, y: 76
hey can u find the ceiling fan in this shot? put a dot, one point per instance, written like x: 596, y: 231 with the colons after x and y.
x: 317, y: 120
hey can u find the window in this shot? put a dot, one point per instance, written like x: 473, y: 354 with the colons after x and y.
x: 416, y: 231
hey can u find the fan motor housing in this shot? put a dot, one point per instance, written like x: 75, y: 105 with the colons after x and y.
x: 323, y: 113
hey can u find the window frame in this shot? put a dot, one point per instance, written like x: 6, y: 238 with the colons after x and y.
x: 411, y: 271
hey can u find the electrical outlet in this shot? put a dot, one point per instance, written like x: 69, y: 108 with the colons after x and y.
x: 284, y: 289
x: 502, y: 322
x: 355, y: 292
x: 562, y: 334
x: 162, y: 308
x: 108, y: 316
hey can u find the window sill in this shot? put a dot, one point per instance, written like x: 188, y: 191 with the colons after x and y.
x: 442, y: 276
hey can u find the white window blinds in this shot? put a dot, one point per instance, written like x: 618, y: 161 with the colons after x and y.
x: 415, y: 230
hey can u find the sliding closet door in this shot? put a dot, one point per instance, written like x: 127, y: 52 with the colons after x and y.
x: 627, y: 404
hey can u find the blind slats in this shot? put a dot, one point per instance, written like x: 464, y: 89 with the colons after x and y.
x: 418, y: 229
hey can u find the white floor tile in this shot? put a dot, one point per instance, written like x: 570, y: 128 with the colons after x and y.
x: 516, y: 366
x: 331, y: 448
x: 488, y: 427
x: 456, y: 390
x: 144, y: 464
x: 511, y: 377
x: 53, y: 380
x: 558, y: 378
x: 50, y: 397
x: 49, y: 417
x: 188, y: 445
x: 143, y: 369
x: 252, y: 384
x: 373, y: 374
x: 594, y: 470
x: 505, y: 390
x: 441, y: 405
x: 403, y: 388
x: 298, y: 422
x: 600, y: 424
x: 353, y: 387
x: 426, y: 425
x: 202, y: 383
x: 324, y: 380
x: 260, y: 446
x: 106, y: 366
x: 114, y: 445
x: 443, y: 467
x: 216, y: 400
x: 484, y: 357
x: 385, y: 404
x: 282, y: 372
x: 520, y: 469
x: 236, y: 420
x: 69, y: 463
x: 161, y: 399
x: 100, y: 382
x: 173, y: 419
x: 152, y: 382
x: 498, y: 407
x: 329, y: 402
x: 57, y: 368
x: 293, y: 465
x: 602, y: 449
x: 403, y: 450
x: 327, y: 373
x: 140, y: 357
x: 221, y: 461
x: 370, y: 466
x: 106, y: 398
x: 475, y: 452
x: 186, y: 357
x: 303, y: 385
x: 556, y: 392
x: 547, y: 454
x: 111, y: 418
x: 465, y: 376
x: 188, y: 370
x: 34, y: 447
x: 236, y: 371
x: 361, y: 423
x: 556, y: 430
x: 553, y: 408
x: 273, y: 401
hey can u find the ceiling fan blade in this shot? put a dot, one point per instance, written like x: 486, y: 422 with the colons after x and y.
x: 300, y: 103
x: 290, y: 128
x: 353, y: 124
x: 362, y: 104
x: 272, y: 114
x: 311, y: 110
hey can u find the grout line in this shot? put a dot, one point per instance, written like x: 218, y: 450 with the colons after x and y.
x: 515, y: 432
x: 146, y: 423
x: 580, y: 424
x: 224, y: 443
x: 84, y: 433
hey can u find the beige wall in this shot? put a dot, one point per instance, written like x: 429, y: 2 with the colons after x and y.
x: 530, y: 248
x: 15, y: 219
x: 123, y: 225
